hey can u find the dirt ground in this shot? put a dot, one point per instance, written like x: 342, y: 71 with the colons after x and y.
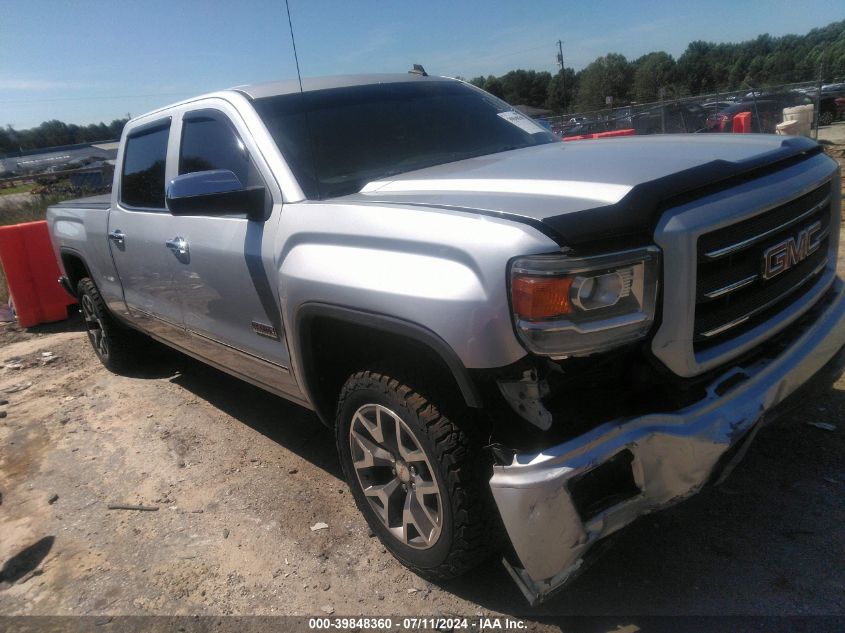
x: 239, y: 477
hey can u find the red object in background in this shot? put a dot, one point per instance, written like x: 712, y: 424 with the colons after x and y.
x: 840, y: 107
x: 32, y: 274
x: 626, y: 132
x: 742, y: 123
x: 717, y: 122
x: 612, y: 133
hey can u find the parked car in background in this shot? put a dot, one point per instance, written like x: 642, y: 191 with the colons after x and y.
x: 712, y: 107
x: 840, y: 108
x: 670, y: 118
x: 579, y: 122
x: 722, y: 121
x: 587, y: 127
x: 766, y: 112
x: 828, y: 112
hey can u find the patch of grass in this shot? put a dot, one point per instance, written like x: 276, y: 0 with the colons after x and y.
x: 23, y: 188
x: 31, y: 210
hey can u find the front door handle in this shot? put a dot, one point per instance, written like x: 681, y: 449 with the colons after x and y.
x: 178, y: 245
x: 117, y: 236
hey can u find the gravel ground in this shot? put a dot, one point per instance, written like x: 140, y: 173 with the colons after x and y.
x: 834, y: 133
x: 239, y: 477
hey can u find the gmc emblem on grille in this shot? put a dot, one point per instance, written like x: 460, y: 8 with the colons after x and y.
x: 786, y: 254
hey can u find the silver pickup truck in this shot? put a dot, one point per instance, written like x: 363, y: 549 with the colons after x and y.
x: 521, y: 344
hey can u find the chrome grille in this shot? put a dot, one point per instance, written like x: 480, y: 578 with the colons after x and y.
x: 732, y: 294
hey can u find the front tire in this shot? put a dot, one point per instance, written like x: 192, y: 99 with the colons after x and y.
x: 419, y: 479
x: 115, y: 345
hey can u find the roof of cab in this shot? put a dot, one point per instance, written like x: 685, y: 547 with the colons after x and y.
x: 274, y: 88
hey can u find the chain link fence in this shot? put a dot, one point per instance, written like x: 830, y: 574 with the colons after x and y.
x: 711, y: 112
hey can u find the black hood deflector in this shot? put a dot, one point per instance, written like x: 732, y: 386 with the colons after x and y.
x: 636, y: 215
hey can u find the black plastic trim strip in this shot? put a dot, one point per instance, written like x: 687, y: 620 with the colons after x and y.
x: 248, y: 355
x: 64, y: 282
x: 639, y: 211
x: 307, y: 312
x: 152, y: 126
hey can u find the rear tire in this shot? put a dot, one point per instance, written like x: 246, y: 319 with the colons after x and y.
x: 826, y: 118
x: 403, y: 458
x: 115, y: 345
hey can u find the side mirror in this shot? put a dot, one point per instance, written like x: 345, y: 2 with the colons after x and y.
x: 214, y: 192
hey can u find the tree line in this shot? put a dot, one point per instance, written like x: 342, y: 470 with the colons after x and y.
x: 53, y: 133
x: 703, y: 68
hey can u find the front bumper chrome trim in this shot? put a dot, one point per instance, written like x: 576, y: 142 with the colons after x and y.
x: 674, y: 455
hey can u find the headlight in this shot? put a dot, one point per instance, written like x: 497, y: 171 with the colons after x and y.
x: 568, y: 306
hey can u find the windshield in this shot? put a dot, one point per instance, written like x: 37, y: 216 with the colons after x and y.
x: 338, y: 140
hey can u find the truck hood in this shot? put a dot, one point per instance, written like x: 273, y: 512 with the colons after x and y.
x: 580, y: 192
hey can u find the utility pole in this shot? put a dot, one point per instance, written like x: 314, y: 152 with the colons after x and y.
x: 562, y: 72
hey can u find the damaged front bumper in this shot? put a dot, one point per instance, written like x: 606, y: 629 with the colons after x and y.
x: 557, y: 503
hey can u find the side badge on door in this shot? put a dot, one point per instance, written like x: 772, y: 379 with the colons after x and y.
x: 263, y: 329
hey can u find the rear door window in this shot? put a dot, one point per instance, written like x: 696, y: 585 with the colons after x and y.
x: 144, y: 160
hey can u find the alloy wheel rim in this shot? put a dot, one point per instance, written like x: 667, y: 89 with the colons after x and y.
x: 94, y: 326
x: 396, y: 476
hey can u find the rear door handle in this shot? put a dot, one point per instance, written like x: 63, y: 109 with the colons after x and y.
x: 117, y: 236
x: 178, y: 245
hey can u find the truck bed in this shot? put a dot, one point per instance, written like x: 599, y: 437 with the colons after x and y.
x: 80, y: 226
x: 101, y: 201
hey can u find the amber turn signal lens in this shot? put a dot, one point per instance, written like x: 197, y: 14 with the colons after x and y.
x: 537, y: 298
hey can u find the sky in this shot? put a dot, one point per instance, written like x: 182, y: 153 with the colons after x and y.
x: 85, y: 61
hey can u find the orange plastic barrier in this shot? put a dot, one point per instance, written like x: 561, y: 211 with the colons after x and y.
x: 626, y: 132
x: 742, y: 123
x: 612, y: 133
x: 32, y: 274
